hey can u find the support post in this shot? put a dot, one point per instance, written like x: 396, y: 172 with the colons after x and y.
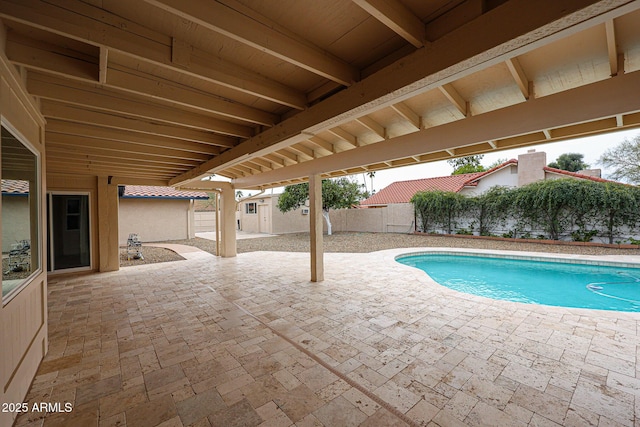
x: 315, y: 228
x: 228, y: 235
x: 108, y: 225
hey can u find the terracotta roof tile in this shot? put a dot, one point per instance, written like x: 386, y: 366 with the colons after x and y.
x: 576, y: 175
x: 16, y: 187
x: 141, y: 191
x: 403, y: 191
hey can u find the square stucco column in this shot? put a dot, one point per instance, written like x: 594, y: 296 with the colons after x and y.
x: 315, y: 228
x: 108, y: 225
x: 228, y: 231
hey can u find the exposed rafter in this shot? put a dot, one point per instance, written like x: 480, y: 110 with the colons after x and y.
x: 80, y: 94
x: 92, y: 25
x: 260, y: 33
x: 396, y: 16
x: 519, y: 76
x: 455, y: 98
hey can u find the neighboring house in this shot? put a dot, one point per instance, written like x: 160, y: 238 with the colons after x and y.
x: 157, y: 213
x: 260, y: 214
x: 15, y: 212
x: 530, y: 167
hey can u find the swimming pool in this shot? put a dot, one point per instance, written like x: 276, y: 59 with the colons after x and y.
x: 564, y: 284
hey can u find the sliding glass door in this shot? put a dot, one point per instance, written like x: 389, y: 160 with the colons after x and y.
x: 69, y: 236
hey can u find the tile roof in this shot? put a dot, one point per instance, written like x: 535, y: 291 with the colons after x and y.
x: 403, y: 191
x: 142, y: 191
x: 15, y: 187
x: 576, y: 175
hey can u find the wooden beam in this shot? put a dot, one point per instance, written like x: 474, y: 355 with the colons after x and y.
x: 83, y: 130
x: 581, y: 105
x: 146, y: 85
x: 344, y: 136
x: 132, y: 81
x: 258, y: 32
x: 405, y: 111
x: 303, y: 151
x: 22, y: 52
x: 315, y: 228
x: 104, y: 64
x: 455, y: 98
x: 96, y: 26
x: 75, y: 151
x: 372, y: 125
x: 519, y: 76
x: 287, y: 154
x: 612, y: 47
x: 442, y: 61
x: 76, y: 93
x: 325, y: 145
x: 398, y: 18
x: 64, y: 112
x: 126, y: 148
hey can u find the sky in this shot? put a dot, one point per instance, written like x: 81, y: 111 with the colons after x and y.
x: 591, y: 147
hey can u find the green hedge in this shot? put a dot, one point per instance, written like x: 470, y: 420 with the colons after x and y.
x: 552, y: 209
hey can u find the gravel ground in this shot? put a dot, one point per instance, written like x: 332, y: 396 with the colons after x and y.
x: 371, y: 242
x: 151, y: 255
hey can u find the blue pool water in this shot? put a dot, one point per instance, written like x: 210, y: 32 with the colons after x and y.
x: 534, y: 282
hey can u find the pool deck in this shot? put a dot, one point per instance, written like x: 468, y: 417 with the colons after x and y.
x: 250, y: 341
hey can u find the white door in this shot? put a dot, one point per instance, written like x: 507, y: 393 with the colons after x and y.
x: 264, y: 220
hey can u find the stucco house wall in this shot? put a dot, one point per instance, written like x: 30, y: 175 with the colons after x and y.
x: 155, y: 220
x: 507, y: 177
x: 267, y: 218
x: 14, y: 210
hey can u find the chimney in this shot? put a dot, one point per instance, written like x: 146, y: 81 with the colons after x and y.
x: 531, y: 167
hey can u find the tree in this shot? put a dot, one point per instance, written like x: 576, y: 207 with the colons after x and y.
x: 618, y: 208
x: 490, y: 209
x: 468, y: 164
x: 625, y: 160
x: 336, y: 194
x: 239, y: 194
x: 438, y: 208
x: 371, y: 174
x: 571, y: 162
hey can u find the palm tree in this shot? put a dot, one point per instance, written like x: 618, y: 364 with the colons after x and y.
x: 371, y: 174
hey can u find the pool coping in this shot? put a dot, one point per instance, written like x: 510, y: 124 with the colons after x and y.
x: 389, y: 257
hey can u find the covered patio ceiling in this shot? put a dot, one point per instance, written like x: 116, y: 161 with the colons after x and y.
x: 267, y: 93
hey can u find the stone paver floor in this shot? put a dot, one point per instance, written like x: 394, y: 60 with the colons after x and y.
x: 250, y: 341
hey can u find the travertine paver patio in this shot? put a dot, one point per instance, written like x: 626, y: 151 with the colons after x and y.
x: 250, y: 341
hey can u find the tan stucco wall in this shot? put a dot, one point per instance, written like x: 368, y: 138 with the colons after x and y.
x: 393, y: 218
x: 14, y: 211
x: 23, y: 317
x: 279, y: 222
x: 204, y: 221
x: 155, y: 220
